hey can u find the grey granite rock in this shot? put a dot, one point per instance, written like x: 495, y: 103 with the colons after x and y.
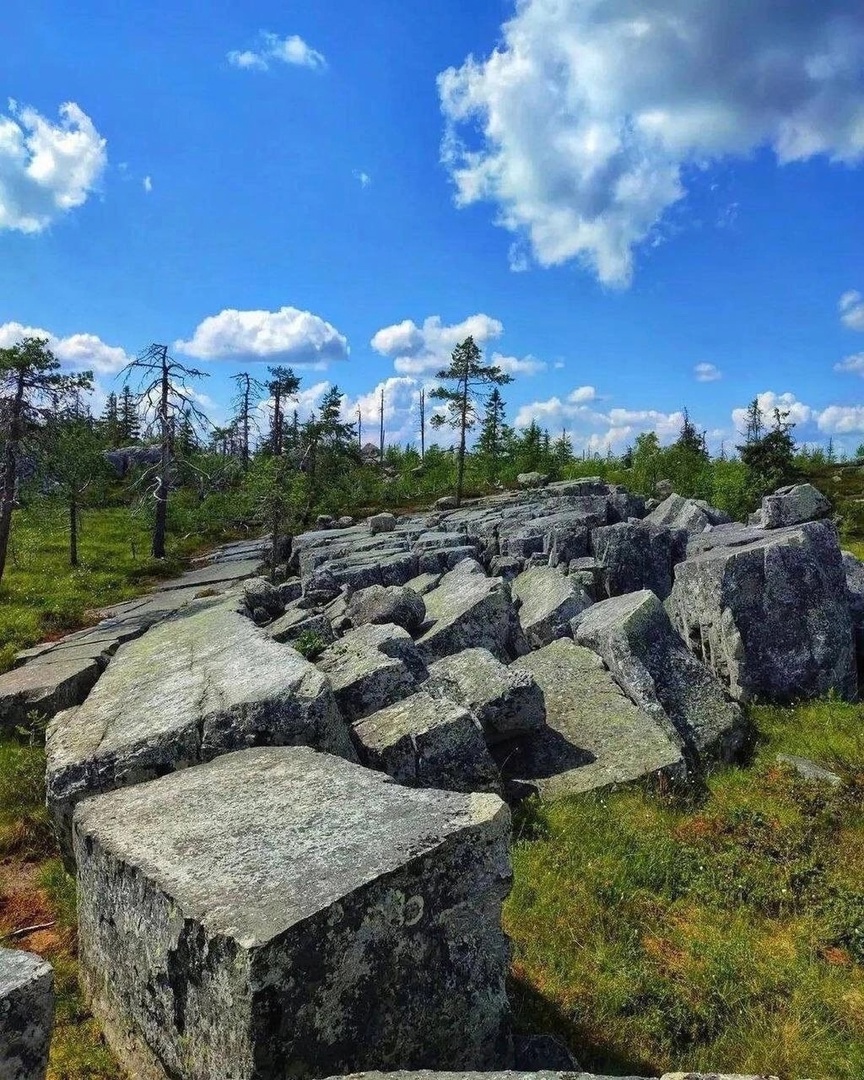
x: 507, y: 702
x: 532, y: 480
x: 636, y: 555
x: 692, y: 515
x: 424, y: 741
x: 46, y: 685
x: 853, y: 569
x: 639, y: 645
x: 371, y: 667
x: 297, y: 621
x: 547, y: 601
x: 468, y: 611
x: 793, y: 505
x: 809, y: 770
x: 594, y: 737
x: 396, y: 604
x: 190, y: 689
x: 382, y: 523
x: 260, y: 593
x: 26, y: 1014
x: 282, y: 913
x: 770, y: 615
x: 523, y: 1074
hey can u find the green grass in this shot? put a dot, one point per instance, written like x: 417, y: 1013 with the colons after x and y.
x: 727, y: 935
x: 41, y: 595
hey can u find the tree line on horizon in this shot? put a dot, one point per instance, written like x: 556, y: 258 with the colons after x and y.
x: 211, y: 478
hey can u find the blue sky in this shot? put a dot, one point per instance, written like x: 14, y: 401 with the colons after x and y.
x: 638, y: 207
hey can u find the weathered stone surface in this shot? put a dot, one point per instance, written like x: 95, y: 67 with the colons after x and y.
x: 381, y: 604
x: 654, y: 667
x: 770, y: 616
x: 444, y: 559
x: 468, y: 611
x: 189, y: 690
x: 282, y: 913
x: 297, y: 621
x: 46, y: 685
x: 564, y: 543
x: 260, y: 593
x: 423, y: 741
x: 636, y: 555
x: 854, y: 571
x: 382, y: 523
x: 26, y: 1014
x: 809, y: 770
x: 692, y: 515
x: 594, y: 735
x: 507, y: 702
x: 793, y: 505
x: 371, y: 667
x: 532, y: 480
x: 547, y: 602
x: 523, y: 1074
x: 446, y: 502
x: 371, y: 568
x: 424, y: 583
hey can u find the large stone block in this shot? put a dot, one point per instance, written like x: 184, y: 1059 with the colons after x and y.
x: 637, y: 555
x: 190, y: 689
x: 26, y: 1014
x: 48, y: 684
x: 657, y: 671
x: 371, y: 667
x: 283, y: 913
x: 425, y: 742
x: 470, y: 611
x: 793, y: 505
x: 507, y: 702
x: 547, y: 602
x: 770, y: 616
x: 694, y: 516
x: 594, y: 735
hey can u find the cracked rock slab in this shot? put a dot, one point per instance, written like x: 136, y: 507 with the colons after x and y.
x: 547, y: 602
x: 594, y: 736
x: 424, y: 742
x: 284, y: 913
x: 506, y: 701
x: 26, y: 1014
x: 190, y: 689
x: 470, y: 611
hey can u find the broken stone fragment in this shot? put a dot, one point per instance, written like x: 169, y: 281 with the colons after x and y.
x: 260, y: 593
x: 547, y: 602
x: 282, y: 912
x: 654, y: 667
x: 382, y: 523
x: 422, y: 741
x: 692, y: 515
x: 793, y: 505
x: 190, y: 689
x: 26, y: 1014
x: 507, y: 702
x: 380, y: 604
x: 637, y: 555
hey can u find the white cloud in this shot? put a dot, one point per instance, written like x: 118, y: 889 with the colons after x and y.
x: 287, y: 336
x: 512, y: 365
x: 363, y: 178
x: 581, y: 125
x: 418, y: 350
x: 707, y: 373
x: 832, y: 420
x: 148, y: 184
x: 46, y: 169
x: 274, y: 49
x: 841, y: 419
x: 853, y: 363
x: 798, y: 412
x: 81, y: 352
x: 852, y: 310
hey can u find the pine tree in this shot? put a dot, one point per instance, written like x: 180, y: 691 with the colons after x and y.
x: 493, y: 434
x: 690, y: 439
x: 129, y: 420
x: 468, y: 375
x: 110, y: 421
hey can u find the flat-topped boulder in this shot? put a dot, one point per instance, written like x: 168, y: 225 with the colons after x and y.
x: 594, y: 736
x: 546, y: 1074
x: 793, y: 505
x: 770, y: 615
x: 49, y: 683
x: 283, y: 913
x: 547, y: 601
x: 507, y: 702
x: 470, y: 611
x: 423, y: 741
x: 694, y: 516
x: 26, y: 1014
x: 371, y: 667
x: 639, y: 645
x: 190, y: 689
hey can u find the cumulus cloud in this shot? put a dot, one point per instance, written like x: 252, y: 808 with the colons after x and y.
x: 81, y: 352
x: 852, y: 310
x: 288, y: 336
x: 363, y: 178
x: 831, y: 420
x: 512, y: 365
x: 707, y: 373
x: 46, y: 169
x: 798, y: 412
x: 419, y: 350
x: 581, y: 126
x: 855, y: 364
x: 274, y: 49
x: 147, y: 184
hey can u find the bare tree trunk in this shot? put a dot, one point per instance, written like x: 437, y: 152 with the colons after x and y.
x: 460, y: 463
x: 164, y: 480
x: 73, y: 531
x: 10, y: 471
x: 422, y: 425
x: 381, y: 432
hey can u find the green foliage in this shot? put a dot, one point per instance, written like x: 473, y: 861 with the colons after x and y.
x: 651, y: 934
x: 24, y: 825
x: 309, y: 644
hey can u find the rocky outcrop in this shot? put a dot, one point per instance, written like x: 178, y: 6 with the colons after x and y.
x: 507, y: 702
x: 636, y: 555
x: 422, y: 741
x: 190, y: 689
x: 594, y: 735
x: 692, y: 515
x: 768, y: 612
x: 26, y: 1014
x: 280, y: 912
x: 654, y: 667
x: 127, y: 458
x: 547, y: 601
x: 380, y: 604
x: 793, y: 505
x: 470, y: 611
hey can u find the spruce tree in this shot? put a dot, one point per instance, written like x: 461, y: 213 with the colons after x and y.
x: 493, y: 434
